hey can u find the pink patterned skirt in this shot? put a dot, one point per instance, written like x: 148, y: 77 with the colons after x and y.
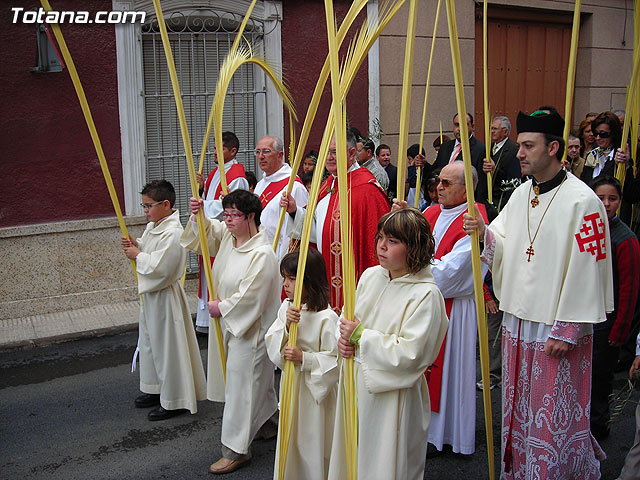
x: 546, y: 404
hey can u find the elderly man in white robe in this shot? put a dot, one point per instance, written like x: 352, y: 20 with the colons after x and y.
x: 270, y: 155
x: 452, y: 377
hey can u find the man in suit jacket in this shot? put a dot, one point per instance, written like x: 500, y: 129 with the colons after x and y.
x: 452, y: 150
x: 503, y: 164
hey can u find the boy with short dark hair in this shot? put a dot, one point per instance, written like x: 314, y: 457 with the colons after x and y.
x: 171, y: 373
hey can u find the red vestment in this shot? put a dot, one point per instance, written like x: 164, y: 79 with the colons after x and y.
x: 368, y: 203
x: 451, y: 237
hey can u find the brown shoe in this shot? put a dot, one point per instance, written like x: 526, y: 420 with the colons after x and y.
x: 224, y: 465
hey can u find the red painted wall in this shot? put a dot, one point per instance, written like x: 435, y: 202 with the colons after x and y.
x: 304, y: 49
x: 50, y: 170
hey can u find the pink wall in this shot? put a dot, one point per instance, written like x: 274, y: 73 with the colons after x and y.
x: 50, y: 170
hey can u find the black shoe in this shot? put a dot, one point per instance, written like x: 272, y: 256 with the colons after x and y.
x: 162, y: 414
x: 147, y: 400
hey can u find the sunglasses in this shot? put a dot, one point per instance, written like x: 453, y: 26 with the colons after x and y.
x: 602, y: 134
x: 446, y: 183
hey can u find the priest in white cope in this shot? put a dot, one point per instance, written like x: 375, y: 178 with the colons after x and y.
x: 451, y: 379
x: 212, y: 195
x: 368, y: 202
x: 550, y: 256
x: 270, y: 155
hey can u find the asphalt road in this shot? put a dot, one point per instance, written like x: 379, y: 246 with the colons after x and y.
x: 66, y: 412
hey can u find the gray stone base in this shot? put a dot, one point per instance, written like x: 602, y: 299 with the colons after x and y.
x: 58, y: 267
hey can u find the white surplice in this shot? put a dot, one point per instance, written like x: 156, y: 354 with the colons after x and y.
x: 246, y: 279
x: 313, y: 413
x: 271, y: 212
x: 404, y: 324
x: 455, y: 423
x: 170, y: 362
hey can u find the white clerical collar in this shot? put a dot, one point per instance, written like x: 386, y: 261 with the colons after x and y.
x: 454, y: 210
x: 228, y: 164
x: 353, y: 167
x: 283, y: 171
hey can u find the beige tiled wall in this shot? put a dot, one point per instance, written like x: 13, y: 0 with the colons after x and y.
x: 603, y: 68
x: 64, y: 266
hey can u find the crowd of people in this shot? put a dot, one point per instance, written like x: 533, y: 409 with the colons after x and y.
x: 414, y: 334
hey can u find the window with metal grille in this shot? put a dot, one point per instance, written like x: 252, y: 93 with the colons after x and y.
x: 200, y: 41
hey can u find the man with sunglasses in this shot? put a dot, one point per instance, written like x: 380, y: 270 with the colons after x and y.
x: 270, y: 156
x: 452, y: 377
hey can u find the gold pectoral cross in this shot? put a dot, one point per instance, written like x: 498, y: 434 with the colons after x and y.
x: 534, y: 201
x: 530, y: 253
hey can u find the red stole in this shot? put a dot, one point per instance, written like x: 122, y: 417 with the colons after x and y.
x: 273, y: 189
x: 236, y: 171
x: 453, y: 234
x: 368, y: 204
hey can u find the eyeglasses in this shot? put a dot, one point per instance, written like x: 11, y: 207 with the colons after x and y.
x: 232, y: 215
x: 332, y: 153
x: 446, y: 183
x: 602, y: 134
x: 146, y: 206
x: 264, y: 151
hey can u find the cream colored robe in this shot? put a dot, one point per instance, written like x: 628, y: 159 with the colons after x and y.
x: 170, y: 362
x: 317, y: 381
x: 246, y: 280
x: 404, y: 325
x: 561, y: 275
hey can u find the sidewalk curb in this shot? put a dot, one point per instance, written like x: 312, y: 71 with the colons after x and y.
x: 67, y: 337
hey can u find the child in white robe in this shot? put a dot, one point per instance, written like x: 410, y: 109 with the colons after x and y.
x: 398, y: 328
x: 316, y: 367
x: 171, y: 372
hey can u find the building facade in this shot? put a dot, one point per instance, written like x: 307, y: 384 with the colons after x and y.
x: 58, y: 232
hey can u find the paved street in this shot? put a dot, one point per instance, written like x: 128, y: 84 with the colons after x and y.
x: 66, y: 412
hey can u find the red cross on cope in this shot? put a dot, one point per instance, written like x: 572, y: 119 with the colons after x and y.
x: 591, y: 236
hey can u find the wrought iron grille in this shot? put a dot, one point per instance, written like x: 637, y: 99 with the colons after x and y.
x: 200, y: 40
